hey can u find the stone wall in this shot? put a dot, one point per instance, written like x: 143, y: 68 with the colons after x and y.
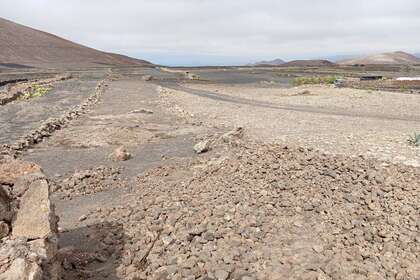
x: 28, y: 224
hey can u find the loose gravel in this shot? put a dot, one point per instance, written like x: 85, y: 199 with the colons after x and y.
x: 268, y: 212
x: 90, y: 181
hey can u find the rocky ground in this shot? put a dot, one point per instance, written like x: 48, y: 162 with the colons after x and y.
x: 160, y: 180
x: 270, y: 212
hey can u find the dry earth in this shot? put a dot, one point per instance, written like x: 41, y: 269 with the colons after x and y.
x: 347, y: 121
x: 301, y: 192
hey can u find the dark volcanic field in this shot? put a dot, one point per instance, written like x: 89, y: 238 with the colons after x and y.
x: 251, y: 206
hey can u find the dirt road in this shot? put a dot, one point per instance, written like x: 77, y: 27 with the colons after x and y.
x: 345, y: 121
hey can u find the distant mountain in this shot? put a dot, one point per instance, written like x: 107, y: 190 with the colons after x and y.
x: 274, y: 62
x: 336, y: 58
x: 21, y: 45
x: 399, y: 57
x: 309, y: 62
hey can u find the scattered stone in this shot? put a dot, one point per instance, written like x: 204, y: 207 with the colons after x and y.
x: 267, y: 212
x: 120, y: 154
x: 82, y: 218
x: 89, y: 181
x: 147, y: 78
x: 202, y: 146
x: 142, y: 111
x: 236, y: 133
x: 167, y: 240
x: 221, y: 274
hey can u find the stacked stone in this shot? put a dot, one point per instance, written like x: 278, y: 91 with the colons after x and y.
x: 28, y: 224
x: 53, y: 124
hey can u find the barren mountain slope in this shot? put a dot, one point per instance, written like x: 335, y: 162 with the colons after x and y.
x: 24, y: 45
x: 384, y: 58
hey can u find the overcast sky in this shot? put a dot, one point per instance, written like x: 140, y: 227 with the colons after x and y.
x: 199, y: 32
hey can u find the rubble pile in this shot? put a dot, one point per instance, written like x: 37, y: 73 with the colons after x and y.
x: 28, y: 224
x: 89, y: 181
x: 270, y: 212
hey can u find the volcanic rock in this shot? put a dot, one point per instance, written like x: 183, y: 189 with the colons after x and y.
x: 35, y: 217
x: 120, y: 154
x: 202, y: 146
x: 12, y: 169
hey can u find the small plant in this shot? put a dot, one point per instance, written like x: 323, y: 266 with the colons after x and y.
x: 35, y: 90
x: 327, y: 80
x: 414, y: 139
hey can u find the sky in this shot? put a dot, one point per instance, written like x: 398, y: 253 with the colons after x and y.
x: 223, y: 32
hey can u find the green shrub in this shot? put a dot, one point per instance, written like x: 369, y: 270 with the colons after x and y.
x: 35, y: 90
x: 327, y: 80
x: 414, y: 139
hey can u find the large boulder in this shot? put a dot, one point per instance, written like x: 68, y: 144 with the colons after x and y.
x: 35, y: 218
x: 23, y: 183
x: 30, y: 252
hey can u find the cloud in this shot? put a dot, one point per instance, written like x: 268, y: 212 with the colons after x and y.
x: 225, y: 32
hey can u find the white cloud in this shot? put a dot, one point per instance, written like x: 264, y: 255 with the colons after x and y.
x: 220, y: 31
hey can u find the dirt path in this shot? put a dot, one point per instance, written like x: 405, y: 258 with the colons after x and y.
x: 415, y: 118
x: 327, y: 119
x: 129, y: 113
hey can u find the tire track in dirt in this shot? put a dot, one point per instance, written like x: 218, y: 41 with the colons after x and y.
x: 295, y: 108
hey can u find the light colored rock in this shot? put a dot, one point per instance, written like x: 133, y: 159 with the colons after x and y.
x: 35, y: 218
x: 147, y: 78
x: 236, y: 133
x: 120, y: 154
x: 36, y: 259
x: 22, y: 183
x: 221, y: 274
x: 12, y: 169
x: 202, y: 147
x: 22, y: 269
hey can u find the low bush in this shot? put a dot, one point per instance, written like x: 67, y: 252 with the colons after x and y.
x: 414, y: 139
x: 327, y: 80
x: 35, y: 90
